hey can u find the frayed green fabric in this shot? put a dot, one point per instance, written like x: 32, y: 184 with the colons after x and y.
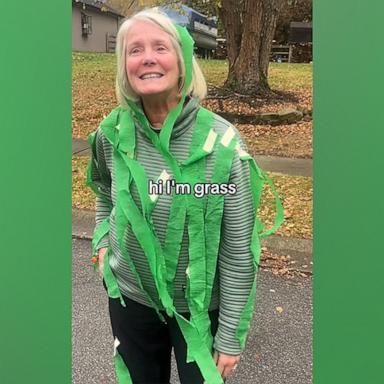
x: 122, y: 372
x: 258, y: 179
x: 110, y: 281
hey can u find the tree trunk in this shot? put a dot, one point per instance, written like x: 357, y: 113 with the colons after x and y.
x: 250, y: 26
x: 271, y: 10
x: 233, y: 28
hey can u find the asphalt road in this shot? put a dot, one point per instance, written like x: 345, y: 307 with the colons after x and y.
x: 279, y: 347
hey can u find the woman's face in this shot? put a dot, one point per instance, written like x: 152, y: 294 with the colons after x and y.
x: 151, y: 61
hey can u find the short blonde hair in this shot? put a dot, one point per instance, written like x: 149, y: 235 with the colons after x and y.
x: 198, y: 87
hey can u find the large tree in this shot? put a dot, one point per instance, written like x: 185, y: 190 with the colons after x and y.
x: 250, y: 26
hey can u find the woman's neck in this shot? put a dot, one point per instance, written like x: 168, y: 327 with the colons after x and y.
x: 157, y: 110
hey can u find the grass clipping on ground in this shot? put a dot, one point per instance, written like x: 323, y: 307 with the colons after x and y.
x: 295, y: 193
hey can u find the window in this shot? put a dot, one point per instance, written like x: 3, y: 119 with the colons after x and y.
x: 86, y: 24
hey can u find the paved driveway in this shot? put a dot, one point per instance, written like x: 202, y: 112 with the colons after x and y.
x: 279, y: 348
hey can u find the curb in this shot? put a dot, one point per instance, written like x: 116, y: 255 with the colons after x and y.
x: 299, y: 250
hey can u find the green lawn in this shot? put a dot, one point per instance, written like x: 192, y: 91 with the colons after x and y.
x: 282, y: 76
x: 93, y: 79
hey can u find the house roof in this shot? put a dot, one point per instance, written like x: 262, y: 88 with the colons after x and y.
x: 100, y: 5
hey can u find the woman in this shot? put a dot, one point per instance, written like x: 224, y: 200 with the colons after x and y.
x: 179, y: 268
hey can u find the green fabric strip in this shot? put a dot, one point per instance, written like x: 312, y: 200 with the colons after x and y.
x: 160, y: 142
x: 193, y: 173
x: 196, y: 284
x: 279, y: 216
x: 101, y: 230
x: 110, y: 281
x: 140, y: 227
x: 92, y: 167
x: 198, y: 351
x: 214, y: 214
x: 127, y: 136
x: 122, y: 373
x: 139, y: 176
x: 122, y: 219
x: 147, y: 241
x: 257, y: 180
x: 246, y: 315
x: 187, y: 49
x: 176, y: 223
x: 108, y: 125
x: 174, y: 238
x: 187, y: 44
x: 123, y: 178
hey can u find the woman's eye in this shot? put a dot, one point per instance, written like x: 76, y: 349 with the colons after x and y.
x: 161, y: 48
x: 134, y: 51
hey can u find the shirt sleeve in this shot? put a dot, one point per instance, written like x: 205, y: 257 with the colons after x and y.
x: 102, y: 178
x: 235, y: 263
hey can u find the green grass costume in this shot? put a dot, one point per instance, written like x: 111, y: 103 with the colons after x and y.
x: 132, y: 208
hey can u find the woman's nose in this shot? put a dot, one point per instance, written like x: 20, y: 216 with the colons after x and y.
x: 149, y: 57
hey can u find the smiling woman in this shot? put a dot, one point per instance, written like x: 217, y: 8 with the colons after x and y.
x: 152, y: 65
x: 179, y: 268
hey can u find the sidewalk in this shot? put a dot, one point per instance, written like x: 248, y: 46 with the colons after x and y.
x: 300, y: 250
x: 288, y: 166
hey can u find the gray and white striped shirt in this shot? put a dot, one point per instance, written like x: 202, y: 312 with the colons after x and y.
x: 235, y: 272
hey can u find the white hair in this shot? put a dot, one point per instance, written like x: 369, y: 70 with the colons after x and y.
x: 198, y: 87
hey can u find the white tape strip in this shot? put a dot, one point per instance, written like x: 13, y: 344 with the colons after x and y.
x: 210, y: 141
x: 241, y: 151
x: 115, y: 345
x: 228, y: 136
x: 118, y: 126
x: 164, y: 176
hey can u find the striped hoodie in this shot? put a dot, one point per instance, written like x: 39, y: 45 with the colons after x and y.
x: 234, y: 274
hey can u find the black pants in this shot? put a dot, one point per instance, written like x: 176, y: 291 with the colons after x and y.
x: 146, y: 343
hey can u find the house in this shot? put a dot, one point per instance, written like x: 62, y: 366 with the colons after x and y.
x: 94, y: 26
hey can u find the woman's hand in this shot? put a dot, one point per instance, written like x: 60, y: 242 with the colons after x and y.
x: 226, y: 364
x: 100, y: 257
